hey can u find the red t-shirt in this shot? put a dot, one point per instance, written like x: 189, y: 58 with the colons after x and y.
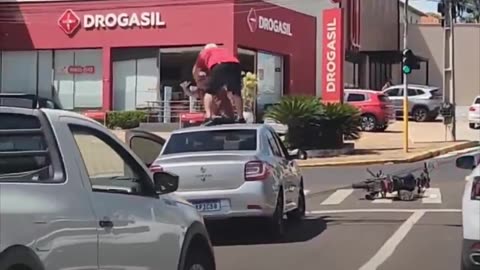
x: 210, y: 57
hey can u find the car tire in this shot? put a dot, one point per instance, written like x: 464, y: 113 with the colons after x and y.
x: 381, y: 128
x: 20, y: 258
x: 420, y: 114
x: 472, y: 125
x: 276, y: 223
x: 299, y: 213
x: 199, y: 259
x: 368, y: 122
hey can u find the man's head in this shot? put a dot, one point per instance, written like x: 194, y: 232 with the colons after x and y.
x: 210, y: 45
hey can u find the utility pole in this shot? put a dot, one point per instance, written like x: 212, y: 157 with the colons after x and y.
x: 448, y: 67
x: 405, y: 79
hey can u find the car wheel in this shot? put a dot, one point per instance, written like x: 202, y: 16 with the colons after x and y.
x: 276, y: 223
x: 299, y: 213
x: 420, y: 114
x: 472, y: 125
x: 199, y: 259
x: 368, y: 122
x: 381, y: 128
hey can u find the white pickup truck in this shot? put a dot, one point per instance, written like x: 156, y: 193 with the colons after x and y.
x: 73, y: 196
x: 471, y: 211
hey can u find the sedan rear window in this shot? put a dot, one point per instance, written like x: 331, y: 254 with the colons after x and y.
x: 477, y: 101
x: 212, y: 140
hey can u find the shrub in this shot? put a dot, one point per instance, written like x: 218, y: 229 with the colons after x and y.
x: 249, y: 90
x: 314, y: 125
x: 125, y: 119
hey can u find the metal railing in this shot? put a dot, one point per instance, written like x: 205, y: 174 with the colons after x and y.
x: 170, y: 111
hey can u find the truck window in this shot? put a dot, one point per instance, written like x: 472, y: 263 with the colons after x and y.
x: 108, y: 168
x: 24, y: 152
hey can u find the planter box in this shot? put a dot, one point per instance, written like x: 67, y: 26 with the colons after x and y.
x: 348, y: 148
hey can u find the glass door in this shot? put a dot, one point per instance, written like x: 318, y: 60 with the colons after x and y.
x: 270, y: 74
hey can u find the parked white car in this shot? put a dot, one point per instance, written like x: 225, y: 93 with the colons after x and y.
x: 474, y: 114
x: 471, y: 212
x: 424, y: 101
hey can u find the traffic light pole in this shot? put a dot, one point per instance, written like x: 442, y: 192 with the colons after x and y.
x: 405, y: 80
x: 448, y: 64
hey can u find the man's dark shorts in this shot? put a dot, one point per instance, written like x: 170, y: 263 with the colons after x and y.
x: 225, y: 74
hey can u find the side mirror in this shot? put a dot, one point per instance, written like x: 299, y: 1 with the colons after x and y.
x: 466, y: 162
x: 298, y: 154
x: 165, y: 182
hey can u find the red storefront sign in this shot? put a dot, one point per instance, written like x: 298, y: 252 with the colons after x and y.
x: 69, y: 22
x: 332, y: 55
x: 81, y: 69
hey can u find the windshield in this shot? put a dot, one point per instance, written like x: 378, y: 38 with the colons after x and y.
x: 212, y: 140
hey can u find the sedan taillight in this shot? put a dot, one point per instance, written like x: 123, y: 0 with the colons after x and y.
x: 476, y: 189
x: 472, y: 109
x: 256, y: 171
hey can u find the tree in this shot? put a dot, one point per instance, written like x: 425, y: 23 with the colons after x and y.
x: 468, y: 11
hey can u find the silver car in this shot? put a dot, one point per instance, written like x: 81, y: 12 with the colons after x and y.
x: 73, y: 196
x: 230, y: 171
x: 424, y: 101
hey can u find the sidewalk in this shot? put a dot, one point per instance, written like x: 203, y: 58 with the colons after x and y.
x: 388, y: 147
x: 385, y: 147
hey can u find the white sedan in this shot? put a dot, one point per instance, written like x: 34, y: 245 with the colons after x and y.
x: 471, y: 212
x: 474, y: 113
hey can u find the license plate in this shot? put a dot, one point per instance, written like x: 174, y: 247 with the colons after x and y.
x: 211, y: 206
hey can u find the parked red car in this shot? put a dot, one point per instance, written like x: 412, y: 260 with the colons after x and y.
x: 376, y: 108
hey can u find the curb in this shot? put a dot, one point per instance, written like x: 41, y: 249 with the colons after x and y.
x: 415, y: 158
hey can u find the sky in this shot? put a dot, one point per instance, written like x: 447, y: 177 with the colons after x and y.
x: 424, y: 5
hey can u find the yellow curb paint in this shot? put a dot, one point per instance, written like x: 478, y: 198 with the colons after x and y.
x: 414, y: 158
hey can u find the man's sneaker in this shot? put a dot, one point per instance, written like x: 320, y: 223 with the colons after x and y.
x: 241, y: 121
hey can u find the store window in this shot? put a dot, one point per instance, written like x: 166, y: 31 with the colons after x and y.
x: 270, y: 73
x: 78, y: 78
x: 247, y: 59
x: 176, y: 67
x: 135, y: 78
x: 27, y: 72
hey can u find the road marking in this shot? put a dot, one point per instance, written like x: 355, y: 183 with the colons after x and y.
x: 386, y: 210
x: 391, y: 244
x: 388, y: 199
x: 432, y: 195
x: 337, y: 197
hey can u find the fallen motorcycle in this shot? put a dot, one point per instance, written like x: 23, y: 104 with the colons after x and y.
x: 404, y: 185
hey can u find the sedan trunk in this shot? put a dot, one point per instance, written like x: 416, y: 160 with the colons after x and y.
x: 211, y: 171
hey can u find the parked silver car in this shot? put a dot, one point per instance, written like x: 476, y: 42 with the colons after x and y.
x: 73, y: 196
x: 424, y: 101
x: 229, y: 171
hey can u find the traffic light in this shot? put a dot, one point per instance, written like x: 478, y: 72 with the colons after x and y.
x: 410, y: 62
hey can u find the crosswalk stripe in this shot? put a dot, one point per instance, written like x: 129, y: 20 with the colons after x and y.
x: 432, y: 195
x: 337, y: 197
x: 388, y: 199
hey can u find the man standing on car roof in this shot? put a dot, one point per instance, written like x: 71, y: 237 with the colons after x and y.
x: 222, y: 104
x: 223, y: 70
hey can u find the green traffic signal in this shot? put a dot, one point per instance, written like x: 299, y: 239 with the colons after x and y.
x: 406, y: 70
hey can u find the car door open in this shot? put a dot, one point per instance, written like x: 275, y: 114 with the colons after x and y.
x: 146, y: 145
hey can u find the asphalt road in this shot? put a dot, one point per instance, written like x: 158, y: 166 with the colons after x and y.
x: 346, y: 232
